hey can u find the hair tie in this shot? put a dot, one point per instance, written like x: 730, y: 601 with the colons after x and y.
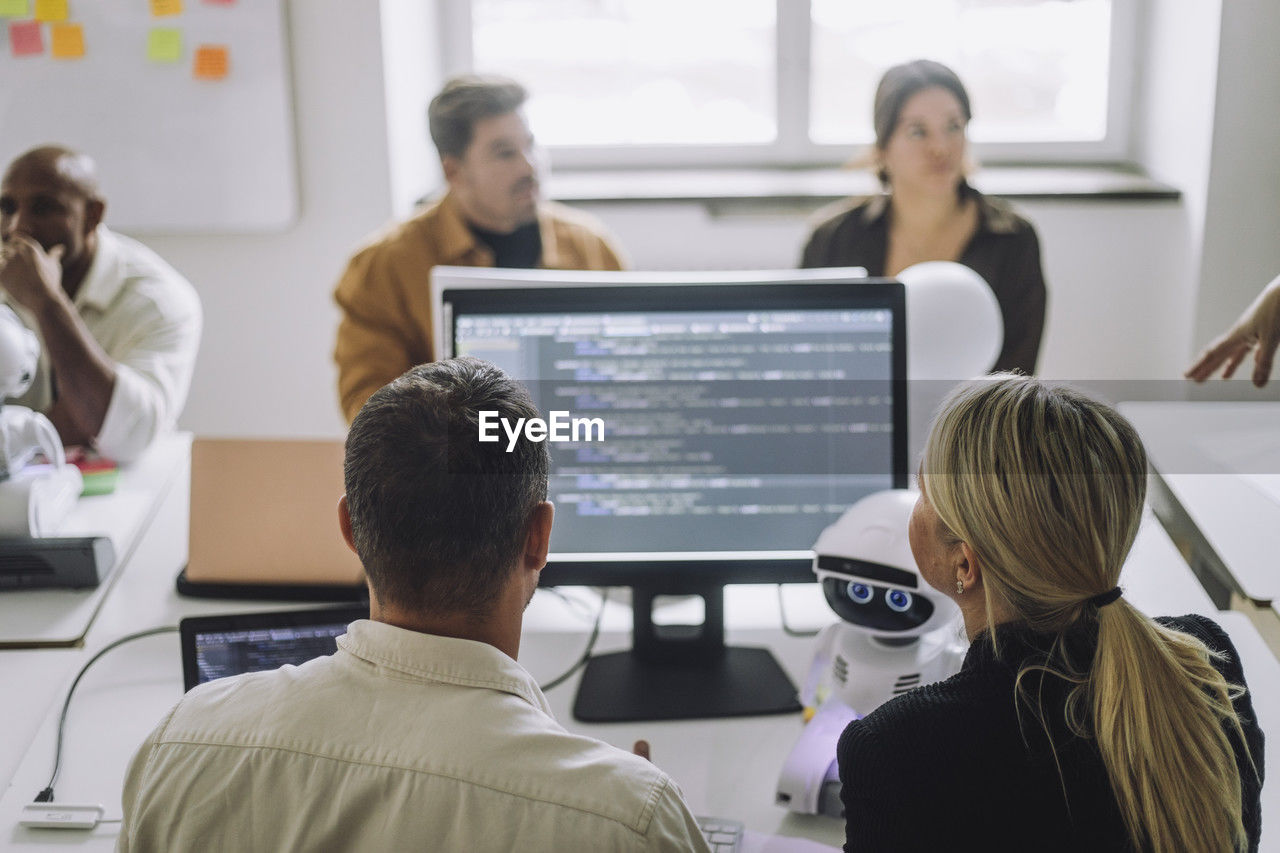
x: 1105, y: 598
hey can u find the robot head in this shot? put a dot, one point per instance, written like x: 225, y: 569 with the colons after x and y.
x: 868, y: 574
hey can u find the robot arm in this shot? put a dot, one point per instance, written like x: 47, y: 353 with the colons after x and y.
x: 23, y: 433
x: 19, y: 352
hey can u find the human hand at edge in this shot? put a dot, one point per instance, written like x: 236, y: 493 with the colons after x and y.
x: 31, y: 275
x: 641, y: 748
x: 1257, y: 329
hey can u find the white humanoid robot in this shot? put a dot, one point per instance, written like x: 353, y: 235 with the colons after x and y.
x: 34, y: 498
x: 897, y: 633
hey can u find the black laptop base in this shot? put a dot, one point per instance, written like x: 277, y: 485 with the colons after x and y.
x: 356, y: 593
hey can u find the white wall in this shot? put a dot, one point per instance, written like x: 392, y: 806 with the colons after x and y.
x: 1242, y: 222
x: 411, y: 67
x: 1173, y: 140
x: 1173, y: 137
x: 265, y: 361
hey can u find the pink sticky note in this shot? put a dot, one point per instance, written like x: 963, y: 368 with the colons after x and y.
x: 26, y: 38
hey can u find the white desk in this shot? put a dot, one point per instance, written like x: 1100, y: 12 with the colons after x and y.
x: 150, y: 519
x: 1218, y: 483
x: 140, y: 596
x: 726, y: 767
x: 60, y: 617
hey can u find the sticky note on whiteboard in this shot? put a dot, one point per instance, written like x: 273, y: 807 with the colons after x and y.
x: 164, y: 8
x: 212, y: 62
x: 51, y: 10
x: 15, y: 8
x: 66, y: 41
x: 26, y: 38
x: 164, y: 44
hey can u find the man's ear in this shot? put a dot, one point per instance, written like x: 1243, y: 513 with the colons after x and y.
x: 968, y: 567
x: 537, y: 539
x: 94, y: 209
x: 451, y: 166
x: 344, y: 524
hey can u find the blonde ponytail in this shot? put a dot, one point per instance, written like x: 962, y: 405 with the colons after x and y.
x: 1158, y: 709
x: 1047, y: 487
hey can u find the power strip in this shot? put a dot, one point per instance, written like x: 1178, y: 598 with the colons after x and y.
x: 60, y: 816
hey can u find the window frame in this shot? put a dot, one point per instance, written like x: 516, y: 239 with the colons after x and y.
x: 792, y: 147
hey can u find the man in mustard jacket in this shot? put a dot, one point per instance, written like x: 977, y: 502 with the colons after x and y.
x: 492, y: 215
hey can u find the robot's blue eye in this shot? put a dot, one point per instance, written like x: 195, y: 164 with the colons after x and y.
x: 898, y: 600
x: 859, y: 592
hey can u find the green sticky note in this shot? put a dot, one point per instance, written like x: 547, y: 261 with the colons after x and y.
x: 15, y: 8
x: 164, y: 44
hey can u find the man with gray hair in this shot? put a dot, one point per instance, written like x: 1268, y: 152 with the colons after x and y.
x: 493, y: 215
x: 421, y: 732
x: 118, y: 327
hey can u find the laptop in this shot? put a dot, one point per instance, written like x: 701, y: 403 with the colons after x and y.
x: 264, y: 522
x: 220, y: 646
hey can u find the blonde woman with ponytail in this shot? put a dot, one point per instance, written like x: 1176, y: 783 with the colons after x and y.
x: 1076, y: 723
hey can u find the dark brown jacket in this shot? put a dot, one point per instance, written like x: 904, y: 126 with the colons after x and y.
x: 1004, y: 251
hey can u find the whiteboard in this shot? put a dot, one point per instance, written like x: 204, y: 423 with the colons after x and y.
x: 175, y: 154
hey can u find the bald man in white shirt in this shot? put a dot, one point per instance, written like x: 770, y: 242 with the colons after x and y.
x: 119, y: 328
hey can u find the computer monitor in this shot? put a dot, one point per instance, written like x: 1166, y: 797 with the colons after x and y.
x: 722, y: 421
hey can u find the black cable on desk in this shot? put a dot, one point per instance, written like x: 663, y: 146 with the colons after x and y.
x: 46, y: 796
x: 586, y: 653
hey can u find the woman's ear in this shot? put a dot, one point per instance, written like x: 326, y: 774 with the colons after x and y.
x: 967, y: 566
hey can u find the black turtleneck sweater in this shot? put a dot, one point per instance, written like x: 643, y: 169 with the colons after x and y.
x: 946, y: 766
x: 520, y: 249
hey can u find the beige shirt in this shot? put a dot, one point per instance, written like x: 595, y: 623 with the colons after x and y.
x: 399, y: 741
x: 147, y: 319
x: 385, y: 293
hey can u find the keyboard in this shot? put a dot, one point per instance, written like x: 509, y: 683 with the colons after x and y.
x: 723, y: 835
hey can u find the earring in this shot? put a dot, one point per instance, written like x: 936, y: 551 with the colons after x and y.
x: 959, y: 587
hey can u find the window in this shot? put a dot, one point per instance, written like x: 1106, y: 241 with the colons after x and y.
x: 790, y: 82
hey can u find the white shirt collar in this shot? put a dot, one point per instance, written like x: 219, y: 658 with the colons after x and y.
x: 445, y: 659
x: 104, y: 280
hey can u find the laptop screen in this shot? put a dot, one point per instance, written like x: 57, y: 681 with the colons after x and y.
x: 219, y: 646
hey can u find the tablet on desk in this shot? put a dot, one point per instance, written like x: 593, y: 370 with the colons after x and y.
x: 264, y: 522
x: 220, y: 646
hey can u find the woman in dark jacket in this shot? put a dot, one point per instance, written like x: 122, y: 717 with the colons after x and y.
x: 1076, y: 722
x: 928, y: 211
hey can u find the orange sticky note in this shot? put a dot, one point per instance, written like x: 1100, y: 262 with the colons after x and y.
x: 212, y: 62
x: 163, y: 8
x: 66, y: 41
x: 164, y: 45
x: 25, y: 38
x: 15, y: 8
x: 51, y: 10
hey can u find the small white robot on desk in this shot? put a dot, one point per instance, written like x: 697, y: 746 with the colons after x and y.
x: 897, y: 633
x: 34, y: 497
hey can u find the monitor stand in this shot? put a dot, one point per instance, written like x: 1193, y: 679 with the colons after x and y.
x: 682, y: 672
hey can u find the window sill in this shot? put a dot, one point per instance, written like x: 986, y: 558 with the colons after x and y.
x: 806, y: 189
